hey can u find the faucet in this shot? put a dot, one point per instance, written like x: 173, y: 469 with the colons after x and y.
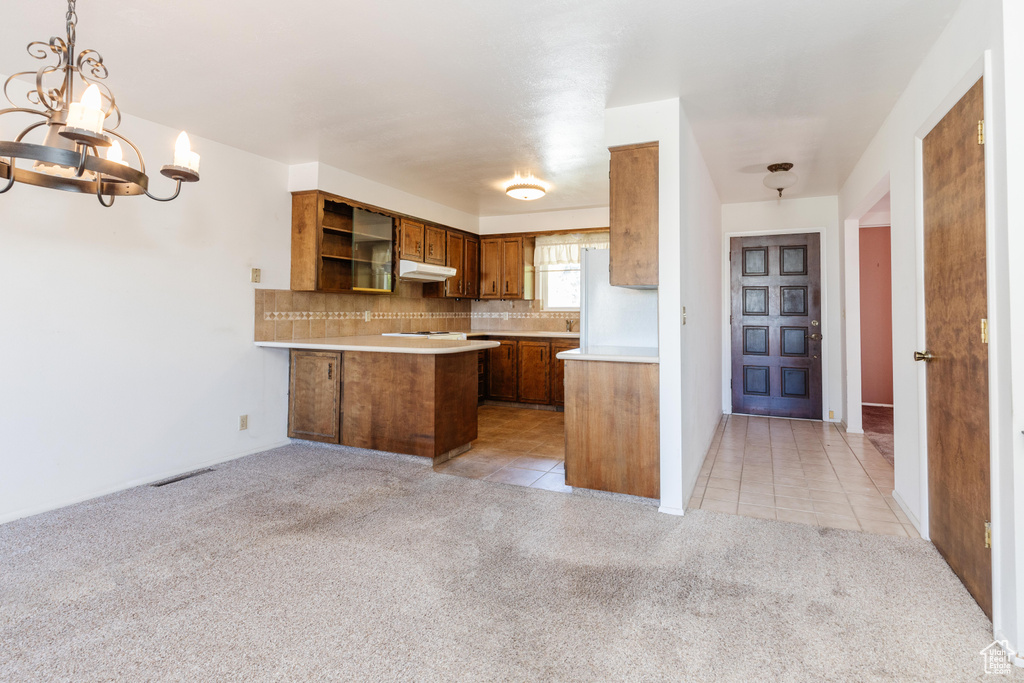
x: 568, y: 324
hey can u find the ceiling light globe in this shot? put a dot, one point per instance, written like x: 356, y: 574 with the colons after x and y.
x: 780, y: 180
x: 525, y: 191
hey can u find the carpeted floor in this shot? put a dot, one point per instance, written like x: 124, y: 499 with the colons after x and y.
x: 326, y: 563
x: 878, y: 427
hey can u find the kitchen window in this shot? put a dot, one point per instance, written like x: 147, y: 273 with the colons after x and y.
x: 557, y: 261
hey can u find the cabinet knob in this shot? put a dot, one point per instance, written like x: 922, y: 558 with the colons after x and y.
x: 330, y: 371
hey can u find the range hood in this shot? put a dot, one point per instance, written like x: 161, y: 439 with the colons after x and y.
x: 423, y: 272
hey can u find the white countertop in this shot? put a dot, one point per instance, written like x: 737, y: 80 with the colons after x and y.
x: 381, y: 344
x: 523, y: 333
x: 613, y: 354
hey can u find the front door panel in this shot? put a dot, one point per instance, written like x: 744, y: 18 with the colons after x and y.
x: 776, y: 325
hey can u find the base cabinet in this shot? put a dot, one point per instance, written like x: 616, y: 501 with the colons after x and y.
x: 534, y: 372
x: 502, y: 375
x: 558, y: 371
x: 314, y: 396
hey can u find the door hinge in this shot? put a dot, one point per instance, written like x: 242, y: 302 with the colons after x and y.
x: 981, y: 132
x: 984, y: 330
x: 988, y: 534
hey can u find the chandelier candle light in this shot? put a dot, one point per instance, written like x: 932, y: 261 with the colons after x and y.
x: 68, y: 158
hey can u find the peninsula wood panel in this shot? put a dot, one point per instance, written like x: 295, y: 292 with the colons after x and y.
x: 410, y: 403
x: 314, y: 396
x: 633, y: 218
x: 611, y: 427
x: 955, y: 277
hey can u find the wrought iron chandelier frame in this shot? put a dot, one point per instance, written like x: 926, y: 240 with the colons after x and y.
x: 92, y: 173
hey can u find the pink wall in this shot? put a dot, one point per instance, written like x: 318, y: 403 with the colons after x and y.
x: 875, y: 316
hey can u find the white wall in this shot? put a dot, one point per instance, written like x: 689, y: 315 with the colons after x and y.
x: 569, y: 219
x: 815, y: 214
x: 972, y: 44
x: 127, y: 334
x: 688, y: 237
x: 317, y: 176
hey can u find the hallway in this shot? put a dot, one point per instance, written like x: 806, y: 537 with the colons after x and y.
x: 799, y: 471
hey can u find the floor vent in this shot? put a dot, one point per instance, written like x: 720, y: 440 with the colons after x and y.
x: 181, y: 477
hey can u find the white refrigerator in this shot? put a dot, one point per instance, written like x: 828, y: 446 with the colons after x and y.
x: 614, y: 316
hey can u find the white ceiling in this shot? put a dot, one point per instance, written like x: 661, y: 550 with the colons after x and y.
x: 448, y: 99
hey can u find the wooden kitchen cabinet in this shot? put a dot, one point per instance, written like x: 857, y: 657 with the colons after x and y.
x: 634, y: 216
x: 558, y: 371
x: 612, y: 438
x: 502, y: 372
x: 434, y: 245
x: 314, y: 396
x: 410, y: 242
x: 455, y: 286
x: 340, y: 246
x: 534, y: 372
x: 472, y: 270
x: 501, y: 268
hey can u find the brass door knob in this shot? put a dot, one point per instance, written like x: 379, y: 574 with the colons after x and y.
x: 926, y: 356
x: 814, y: 337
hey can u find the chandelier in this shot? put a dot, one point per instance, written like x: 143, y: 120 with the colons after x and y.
x: 69, y: 157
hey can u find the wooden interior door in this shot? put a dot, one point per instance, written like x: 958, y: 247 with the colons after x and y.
x: 956, y: 305
x: 776, y: 325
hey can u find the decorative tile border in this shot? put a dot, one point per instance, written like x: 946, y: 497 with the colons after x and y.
x: 417, y: 315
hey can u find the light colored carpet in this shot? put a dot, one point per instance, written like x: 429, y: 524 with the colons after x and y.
x: 322, y: 563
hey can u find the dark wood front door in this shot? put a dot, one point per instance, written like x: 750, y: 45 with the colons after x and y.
x: 776, y: 325
x: 956, y: 305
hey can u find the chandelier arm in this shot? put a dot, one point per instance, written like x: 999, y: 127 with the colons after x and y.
x: 21, y: 110
x: 28, y: 130
x: 138, y: 152
x: 10, y: 180
x: 99, y: 193
x: 177, y: 189
x: 85, y: 157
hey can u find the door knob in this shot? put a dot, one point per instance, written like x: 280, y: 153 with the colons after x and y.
x: 926, y: 356
x: 814, y: 337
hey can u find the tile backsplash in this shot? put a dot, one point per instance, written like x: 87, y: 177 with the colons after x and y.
x: 283, y: 315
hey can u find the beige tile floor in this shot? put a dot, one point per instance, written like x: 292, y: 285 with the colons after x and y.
x: 799, y: 471
x: 515, y: 446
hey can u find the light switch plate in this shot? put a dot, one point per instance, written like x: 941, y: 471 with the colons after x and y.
x: 243, y: 422
x: 255, y: 275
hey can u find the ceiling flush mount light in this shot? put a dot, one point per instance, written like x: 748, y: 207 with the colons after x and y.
x: 780, y: 177
x: 69, y: 156
x: 526, y: 188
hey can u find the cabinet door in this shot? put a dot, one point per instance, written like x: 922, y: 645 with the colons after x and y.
x: 634, y: 216
x: 501, y: 372
x: 455, y: 286
x: 534, y: 372
x: 472, y: 268
x: 490, y: 268
x: 314, y: 396
x: 512, y: 268
x: 411, y: 248
x: 434, y: 240
x: 558, y: 371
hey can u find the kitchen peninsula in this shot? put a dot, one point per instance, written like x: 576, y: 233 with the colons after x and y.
x: 404, y: 395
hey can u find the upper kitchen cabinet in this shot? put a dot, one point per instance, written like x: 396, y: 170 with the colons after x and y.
x: 502, y: 265
x: 410, y: 240
x: 434, y: 240
x: 634, y: 216
x: 472, y: 261
x: 338, y: 247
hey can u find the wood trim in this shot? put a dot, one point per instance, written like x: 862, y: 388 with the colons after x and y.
x: 639, y: 145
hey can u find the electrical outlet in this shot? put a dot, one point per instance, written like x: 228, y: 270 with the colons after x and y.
x: 831, y: 414
x: 367, y: 315
x: 243, y: 422
x: 255, y: 275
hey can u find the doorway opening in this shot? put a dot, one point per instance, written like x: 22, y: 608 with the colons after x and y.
x: 876, y: 328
